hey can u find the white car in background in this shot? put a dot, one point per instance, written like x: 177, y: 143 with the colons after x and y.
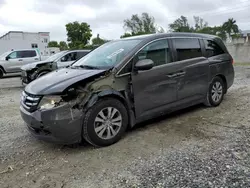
x: 12, y: 61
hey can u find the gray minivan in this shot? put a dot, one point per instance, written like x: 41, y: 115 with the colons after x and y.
x: 124, y: 82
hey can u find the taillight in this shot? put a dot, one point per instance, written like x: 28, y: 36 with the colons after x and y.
x: 232, y: 61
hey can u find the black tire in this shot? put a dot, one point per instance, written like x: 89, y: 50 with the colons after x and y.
x: 1, y: 73
x: 40, y: 74
x: 89, y: 133
x: 210, y: 102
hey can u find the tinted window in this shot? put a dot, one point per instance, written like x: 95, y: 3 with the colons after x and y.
x: 69, y: 57
x: 27, y: 53
x: 157, y: 51
x: 127, y: 68
x: 81, y: 54
x: 187, y: 48
x: 212, y: 48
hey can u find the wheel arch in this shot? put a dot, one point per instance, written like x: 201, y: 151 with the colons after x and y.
x: 110, y: 93
x: 1, y: 67
x: 224, y: 80
x: 44, y: 70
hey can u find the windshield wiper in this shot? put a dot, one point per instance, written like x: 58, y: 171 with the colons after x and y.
x: 86, y: 67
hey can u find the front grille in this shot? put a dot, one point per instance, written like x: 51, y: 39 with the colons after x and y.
x: 29, y: 101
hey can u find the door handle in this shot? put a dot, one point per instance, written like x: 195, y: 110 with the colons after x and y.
x: 36, y: 58
x: 171, y: 75
x: 20, y: 60
x: 182, y: 73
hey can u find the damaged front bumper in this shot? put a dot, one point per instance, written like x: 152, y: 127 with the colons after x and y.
x: 61, y: 124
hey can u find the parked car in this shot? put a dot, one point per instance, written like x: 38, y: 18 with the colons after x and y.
x: 61, y: 59
x: 124, y: 82
x: 12, y: 61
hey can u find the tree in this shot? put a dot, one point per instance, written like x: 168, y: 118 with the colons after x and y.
x: 138, y: 25
x: 63, y: 45
x: 199, y: 23
x: 230, y: 27
x: 180, y: 25
x: 98, y: 41
x: 53, y: 44
x: 78, y: 34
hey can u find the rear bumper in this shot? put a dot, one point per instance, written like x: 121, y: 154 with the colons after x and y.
x: 230, y: 77
x: 61, y: 125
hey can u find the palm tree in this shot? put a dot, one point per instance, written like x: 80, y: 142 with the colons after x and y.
x: 230, y: 27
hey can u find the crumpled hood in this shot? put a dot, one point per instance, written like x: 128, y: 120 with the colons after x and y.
x: 33, y: 65
x: 57, y: 81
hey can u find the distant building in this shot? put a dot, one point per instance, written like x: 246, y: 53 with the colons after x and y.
x: 25, y: 40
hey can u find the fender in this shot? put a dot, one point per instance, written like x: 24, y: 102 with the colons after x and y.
x: 112, y: 93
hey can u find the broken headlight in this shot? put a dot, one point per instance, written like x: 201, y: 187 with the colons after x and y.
x: 49, y: 102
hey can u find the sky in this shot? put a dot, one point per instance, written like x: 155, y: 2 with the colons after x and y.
x: 105, y: 17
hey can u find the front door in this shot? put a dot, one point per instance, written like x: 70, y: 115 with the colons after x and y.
x: 15, y: 61
x: 67, y: 59
x: 154, y: 89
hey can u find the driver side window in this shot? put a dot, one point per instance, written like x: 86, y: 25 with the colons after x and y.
x: 157, y: 51
x: 13, y: 55
x: 69, y: 57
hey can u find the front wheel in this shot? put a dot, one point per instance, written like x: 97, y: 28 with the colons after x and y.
x: 105, y: 122
x: 215, y: 92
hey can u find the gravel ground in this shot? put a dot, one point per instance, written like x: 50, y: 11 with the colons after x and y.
x: 196, y: 147
x: 11, y: 81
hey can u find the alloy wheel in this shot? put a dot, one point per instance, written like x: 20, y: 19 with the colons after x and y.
x: 108, y: 123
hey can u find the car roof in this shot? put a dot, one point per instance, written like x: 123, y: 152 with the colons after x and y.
x: 79, y: 50
x: 22, y: 49
x: 174, y: 34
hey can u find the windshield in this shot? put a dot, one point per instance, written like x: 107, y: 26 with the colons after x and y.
x: 55, y: 56
x: 2, y: 57
x: 107, y: 55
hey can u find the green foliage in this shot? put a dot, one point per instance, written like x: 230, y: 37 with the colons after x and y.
x: 230, y: 27
x: 78, y: 34
x: 181, y: 25
x: 63, y: 45
x: 98, y: 41
x: 139, y: 25
x: 53, y: 44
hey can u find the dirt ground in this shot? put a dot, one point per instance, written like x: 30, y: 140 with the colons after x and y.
x: 195, y: 147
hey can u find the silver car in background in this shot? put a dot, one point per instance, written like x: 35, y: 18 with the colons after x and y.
x: 12, y: 61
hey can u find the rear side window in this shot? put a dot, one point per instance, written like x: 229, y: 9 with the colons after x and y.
x: 187, y: 48
x: 27, y: 53
x: 212, y: 48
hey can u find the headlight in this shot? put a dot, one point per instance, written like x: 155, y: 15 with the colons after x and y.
x: 49, y: 102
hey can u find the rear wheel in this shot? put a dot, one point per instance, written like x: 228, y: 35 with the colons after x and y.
x: 215, y: 92
x: 105, y: 122
x: 1, y: 73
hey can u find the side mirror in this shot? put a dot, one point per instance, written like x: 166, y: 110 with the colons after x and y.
x: 144, y: 64
x: 7, y: 58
